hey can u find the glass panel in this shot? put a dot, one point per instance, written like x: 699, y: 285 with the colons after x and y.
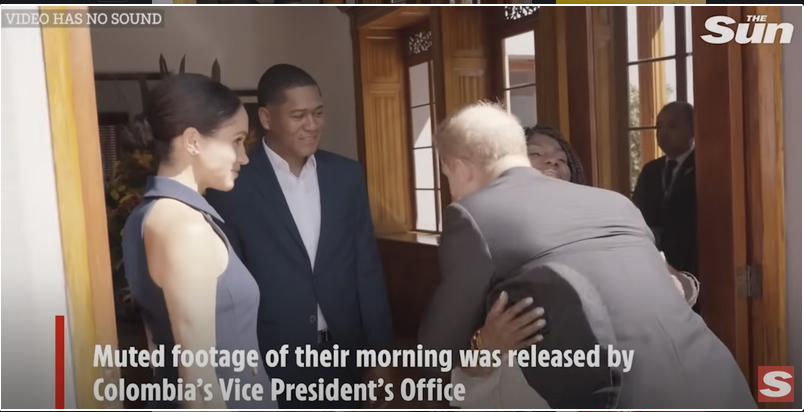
x: 520, y: 58
x: 432, y: 84
x: 437, y: 166
x: 419, y: 78
x: 689, y: 80
x: 639, y: 141
x: 659, y: 23
x: 688, y: 23
x: 635, y: 151
x: 423, y: 164
x: 426, y: 210
x: 438, y: 210
x: 646, y: 95
x: 669, y: 30
x: 631, y: 19
x: 421, y: 122
x: 522, y: 104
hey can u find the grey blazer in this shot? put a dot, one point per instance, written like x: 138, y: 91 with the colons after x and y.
x: 587, y: 257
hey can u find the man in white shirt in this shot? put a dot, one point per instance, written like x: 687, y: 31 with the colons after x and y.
x: 299, y: 219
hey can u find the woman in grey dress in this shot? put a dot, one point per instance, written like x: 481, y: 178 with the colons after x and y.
x: 190, y: 286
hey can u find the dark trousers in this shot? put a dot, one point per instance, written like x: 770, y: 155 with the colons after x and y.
x: 294, y: 375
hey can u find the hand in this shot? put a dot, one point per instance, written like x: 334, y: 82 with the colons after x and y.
x: 512, y: 328
x: 377, y: 373
x: 686, y: 284
x: 675, y: 275
x: 374, y: 375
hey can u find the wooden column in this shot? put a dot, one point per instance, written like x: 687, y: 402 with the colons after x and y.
x: 580, y: 82
x: 762, y: 119
x: 385, y: 130
x: 82, y: 207
x: 463, y: 59
x: 720, y: 174
x: 461, y: 63
x: 652, y: 77
x: 551, y: 69
x: 610, y: 54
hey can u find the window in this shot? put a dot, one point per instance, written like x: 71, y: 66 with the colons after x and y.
x: 426, y: 173
x: 520, y: 77
x: 517, y: 29
x: 659, y: 72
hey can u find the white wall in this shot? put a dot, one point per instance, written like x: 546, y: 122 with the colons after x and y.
x: 33, y: 284
x: 247, y: 40
x: 791, y: 81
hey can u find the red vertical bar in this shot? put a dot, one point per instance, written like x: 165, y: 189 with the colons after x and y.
x: 60, y: 362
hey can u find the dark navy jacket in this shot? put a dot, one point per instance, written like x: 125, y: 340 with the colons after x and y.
x: 347, y: 281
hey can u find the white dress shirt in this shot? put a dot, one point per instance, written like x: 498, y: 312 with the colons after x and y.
x: 304, y: 201
x: 677, y: 168
x: 680, y: 159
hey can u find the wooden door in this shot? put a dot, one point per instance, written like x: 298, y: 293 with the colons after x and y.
x: 737, y: 91
x: 764, y: 281
x: 67, y: 53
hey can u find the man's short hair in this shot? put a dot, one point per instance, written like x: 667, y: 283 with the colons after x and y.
x: 685, y: 108
x: 482, y: 133
x: 279, y: 78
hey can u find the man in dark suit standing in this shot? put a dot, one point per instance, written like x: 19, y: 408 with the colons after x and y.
x: 665, y: 189
x: 586, y: 257
x: 299, y: 219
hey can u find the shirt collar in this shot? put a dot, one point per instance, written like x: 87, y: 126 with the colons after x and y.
x: 279, y: 163
x: 681, y: 158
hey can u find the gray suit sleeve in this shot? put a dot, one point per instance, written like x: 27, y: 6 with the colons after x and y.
x: 457, y: 307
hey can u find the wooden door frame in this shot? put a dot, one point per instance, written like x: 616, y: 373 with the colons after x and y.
x: 762, y: 120
x: 81, y: 203
x: 740, y: 180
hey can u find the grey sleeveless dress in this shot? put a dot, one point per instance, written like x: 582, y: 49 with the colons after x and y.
x: 236, y: 304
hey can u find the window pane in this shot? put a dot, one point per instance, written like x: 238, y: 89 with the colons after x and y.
x: 421, y: 122
x: 433, y: 100
x: 437, y: 166
x: 423, y: 164
x: 419, y: 78
x: 688, y: 23
x: 522, y: 103
x: 641, y: 152
x: 438, y: 210
x: 689, y: 80
x: 426, y: 210
x: 635, y: 150
x: 651, y: 87
x: 520, y: 60
x: 668, y: 22
x: 654, y: 26
x: 631, y: 19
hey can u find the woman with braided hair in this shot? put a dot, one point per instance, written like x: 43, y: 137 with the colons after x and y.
x: 551, y: 154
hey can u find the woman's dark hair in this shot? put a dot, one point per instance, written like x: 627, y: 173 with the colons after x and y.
x: 177, y: 103
x: 576, y: 169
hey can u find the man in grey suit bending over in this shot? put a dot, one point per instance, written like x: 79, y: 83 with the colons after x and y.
x: 587, y: 257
